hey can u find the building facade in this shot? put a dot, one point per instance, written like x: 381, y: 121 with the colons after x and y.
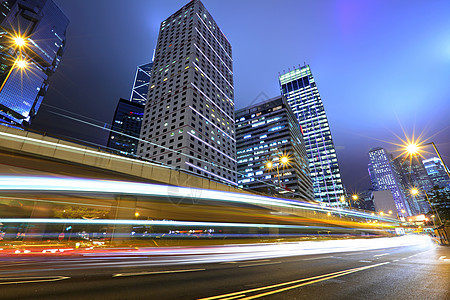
x: 265, y: 132
x: 300, y: 90
x: 126, y: 127
x: 140, y: 85
x: 414, y: 175
x: 436, y: 172
x: 32, y: 42
x: 385, y: 176
x: 189, y: 116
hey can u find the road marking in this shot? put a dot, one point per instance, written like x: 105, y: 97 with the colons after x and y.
x: 352, y: 253
x: 235, y: 297
x: 444, y: 258
x: 381, y: 254
x: 156, y: 272
x: 366, y: 261
x: 32, y: 279
x: 261, y: 264
x: 296, y: 284
x: 318, y: 258
x: 395, y: 260
x: 247, y: 261
x: 403, y: 258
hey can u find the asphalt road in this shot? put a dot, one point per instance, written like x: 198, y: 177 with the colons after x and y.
x: 420, y: 271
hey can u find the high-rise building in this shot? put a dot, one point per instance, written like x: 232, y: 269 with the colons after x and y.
x: 414, y: 175
x: 141, y: 81
x: 385, y: 176
x: 126, y: 127
x: 265, y: 132
x: 302, y: 94
x: 189, y: 115
x: 127, y: 121
x: 436, y: 172
x: 32, y: 42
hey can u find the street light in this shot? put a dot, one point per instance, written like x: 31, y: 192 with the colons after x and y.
x: 414, y: 148
x: 19, y: 63
x: 284, y: 160
x: 415, y: 191
x: 19, y: 41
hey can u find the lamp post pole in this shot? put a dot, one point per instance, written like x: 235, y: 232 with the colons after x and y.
x: 440, y: 157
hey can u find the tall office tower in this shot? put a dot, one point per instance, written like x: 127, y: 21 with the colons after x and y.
x: 126, y: 127
x: 265, y: 132
x: 414, y: 175
x: 141, y: 81
x: 385, y: 176
x: 189, y: 116
x: 32, y: 42
x: 303, y: 96
x: 436, y: 172
x: 127, y: 121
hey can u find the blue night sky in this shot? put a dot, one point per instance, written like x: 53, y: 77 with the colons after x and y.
x: 380, y: 66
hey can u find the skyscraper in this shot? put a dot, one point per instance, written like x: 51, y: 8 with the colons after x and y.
x: 126, y: 127
x: 414, y: 175
x: 141, y: 81
x: 32, y: 42
x: 436, y: 172
x: 265, y: 132
x: 127, y: 121
x: 302, y: 94
x: 189, y: 115
x: 385, y: 176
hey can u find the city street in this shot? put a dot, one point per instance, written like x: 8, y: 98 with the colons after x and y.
x: 418, y: 271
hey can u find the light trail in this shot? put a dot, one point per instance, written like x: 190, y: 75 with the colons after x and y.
x: 46, y: 184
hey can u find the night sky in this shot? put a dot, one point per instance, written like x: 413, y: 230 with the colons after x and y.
x: 381, y: 66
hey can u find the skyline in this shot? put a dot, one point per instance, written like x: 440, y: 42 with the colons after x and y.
x: 344, y: 27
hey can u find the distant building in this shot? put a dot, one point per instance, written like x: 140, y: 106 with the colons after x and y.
x: 189, y: 116
x: 436, y: 172
x: 25, y: 70
x: 264, y: 132
x: 302, y: 94
x: 126, y: 127
x: 141, y: 81
x: 127, y: 122
x: 385, y: 176
x: 414, y: 175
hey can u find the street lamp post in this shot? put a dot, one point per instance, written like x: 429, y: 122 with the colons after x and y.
x: 414, y: 148
x: 20, y: 63
x: 284, y: 160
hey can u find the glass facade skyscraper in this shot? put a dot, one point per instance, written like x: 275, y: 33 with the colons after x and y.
x: 265, y: 132
x: 385, y: 176
x: 25, y: 70
x: 414, y: 175
x: 189, y: 116
x: 140, y: 85
x: 126, y: 127
x: 436, y: 172
x: 300, y: 90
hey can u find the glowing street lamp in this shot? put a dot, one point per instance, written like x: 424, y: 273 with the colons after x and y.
x: 19, y: 41
x: 381, y: 213
x: 415, y: 191
x: 414, y: 149
x: 20, y: 64
x: 284, y: 160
